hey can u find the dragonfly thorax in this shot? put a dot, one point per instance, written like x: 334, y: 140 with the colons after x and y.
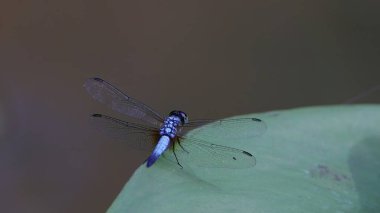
x: 169, y: 128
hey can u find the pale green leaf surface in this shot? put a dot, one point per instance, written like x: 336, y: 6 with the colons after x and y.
x: 315, y: 159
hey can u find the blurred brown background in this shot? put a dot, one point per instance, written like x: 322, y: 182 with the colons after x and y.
x: 209, y: 58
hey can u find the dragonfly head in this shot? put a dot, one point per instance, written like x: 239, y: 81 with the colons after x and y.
x: 181, y: 115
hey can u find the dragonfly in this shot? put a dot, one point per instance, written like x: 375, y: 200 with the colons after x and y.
x: 167, y: 134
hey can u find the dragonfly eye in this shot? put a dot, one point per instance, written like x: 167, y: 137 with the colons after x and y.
x: 181, y: 115
x: 184, y: 118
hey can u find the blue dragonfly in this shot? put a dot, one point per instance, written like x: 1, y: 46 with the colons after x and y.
x: 150, y: 129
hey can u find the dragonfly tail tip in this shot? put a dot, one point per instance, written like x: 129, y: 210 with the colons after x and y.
x: 150, y: 161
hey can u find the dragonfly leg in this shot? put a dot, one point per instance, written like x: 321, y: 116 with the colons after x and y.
x: 179, y: 143
x: 175, y: 155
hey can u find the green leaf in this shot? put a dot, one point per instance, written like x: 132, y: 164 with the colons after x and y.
x: 315, y: 159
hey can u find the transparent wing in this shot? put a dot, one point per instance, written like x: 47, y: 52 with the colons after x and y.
x: 226, y: 128
x: 104, y: 92
x: 136, y: 135
x: 200, y: 153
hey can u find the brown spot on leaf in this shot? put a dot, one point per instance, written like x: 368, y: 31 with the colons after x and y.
x: 323, y: 171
